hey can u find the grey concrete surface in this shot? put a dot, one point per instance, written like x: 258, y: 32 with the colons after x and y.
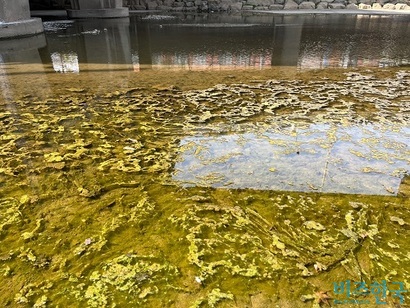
x: 25, y: 43
x: 97, y: 9
x: 49, y: 13
x: 14, y: 10
x: 21, y: 28
x: 95, y: 4
x: 15, y: 19
x: 98, y: 13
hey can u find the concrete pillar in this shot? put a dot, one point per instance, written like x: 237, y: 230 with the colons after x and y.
x: 15, y: 19
x: 286, y: 45
x: 97, y: 9
x: 19, y: 57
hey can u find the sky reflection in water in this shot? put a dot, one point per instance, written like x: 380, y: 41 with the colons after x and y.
x: 323, y: 158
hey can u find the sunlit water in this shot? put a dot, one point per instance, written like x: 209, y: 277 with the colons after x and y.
x: 198, y: 161
x: 361, y: 160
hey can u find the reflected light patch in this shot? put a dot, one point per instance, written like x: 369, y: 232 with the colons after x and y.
x: 219, y: 61
x: 65, y: 62
x: 135, y: 62
x: 322, y: 158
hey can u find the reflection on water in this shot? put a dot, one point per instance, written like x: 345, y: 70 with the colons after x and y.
x: 308, y: 41
x: 221, y: 42
x: 17, y: 51
x: 325, y: 158
x: 65, y: 63
x: 72, y: 46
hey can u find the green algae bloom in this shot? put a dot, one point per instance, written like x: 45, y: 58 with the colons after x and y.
x: 226, y: 195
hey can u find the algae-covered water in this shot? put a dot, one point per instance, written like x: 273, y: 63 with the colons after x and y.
x: 230, y: 188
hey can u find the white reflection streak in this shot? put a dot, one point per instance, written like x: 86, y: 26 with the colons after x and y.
x: 4, y: 84
x: 211, y: 61
x: 135, y: 62
x: 65, y: 63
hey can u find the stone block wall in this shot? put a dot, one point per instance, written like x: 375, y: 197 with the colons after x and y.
x: 185, y: 5
x: 247, y: 5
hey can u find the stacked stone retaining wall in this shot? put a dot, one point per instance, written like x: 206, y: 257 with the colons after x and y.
x: 247, y: 5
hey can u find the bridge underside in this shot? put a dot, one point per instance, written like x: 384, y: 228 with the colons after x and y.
x: 50, y: 4
x: 88, y: 8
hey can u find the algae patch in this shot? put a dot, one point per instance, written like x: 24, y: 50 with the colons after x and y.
x: 131, y: 276
x: 93, y: 214
x: 10, y: 214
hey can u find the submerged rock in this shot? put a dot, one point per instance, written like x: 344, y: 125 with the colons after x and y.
x: 404, y: 188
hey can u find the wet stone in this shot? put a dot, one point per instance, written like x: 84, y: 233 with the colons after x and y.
x: 337, y: 6
x: 404, y: 189
x: 290, y: 5
x: 307, y: 5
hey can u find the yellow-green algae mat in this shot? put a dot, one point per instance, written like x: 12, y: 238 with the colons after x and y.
x: 90, y: 215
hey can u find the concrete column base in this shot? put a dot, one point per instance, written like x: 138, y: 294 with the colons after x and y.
x: 23, y: 43
x: 21, y: 28
x: 99, y: 13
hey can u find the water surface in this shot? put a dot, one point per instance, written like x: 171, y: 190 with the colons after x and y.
x: 204, y: 161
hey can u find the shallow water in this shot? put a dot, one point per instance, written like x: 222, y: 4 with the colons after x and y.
x: 305, y: 161
x: 193, y: 160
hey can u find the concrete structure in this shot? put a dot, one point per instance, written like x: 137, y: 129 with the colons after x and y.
x: 97, y: 9
x: 20, y: 44
x: 15, y: 20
